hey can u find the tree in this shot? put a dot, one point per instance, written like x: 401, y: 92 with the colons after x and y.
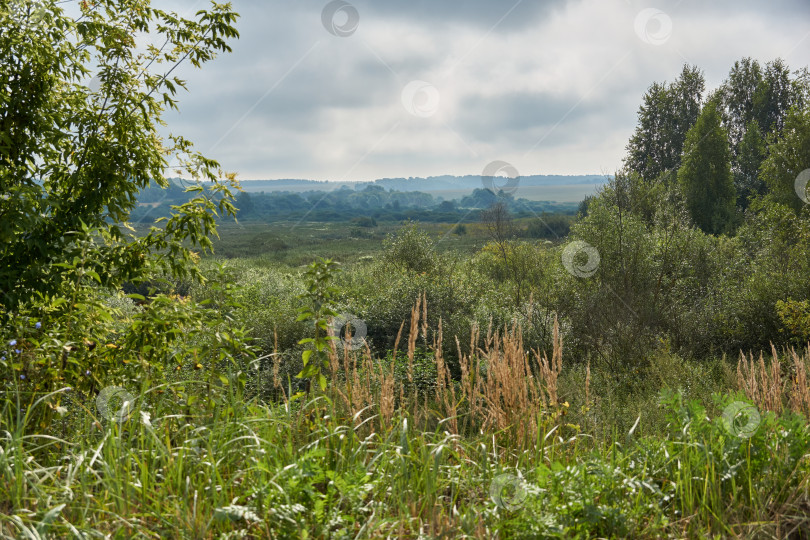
x: 664, y: 118
x: 479, y: 198
x: 787, y: 158
x: 501, y: 230
x: 750, y: 156
x: 245, y: 203
x: 705, y: 174
x: 73, y: 158
x: 498, y: 223
x: 774, y: 97
x: 755, y: 105
x: 738, y: 93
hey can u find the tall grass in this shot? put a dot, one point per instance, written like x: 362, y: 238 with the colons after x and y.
x: 491, y: 452
x: 763, y: 384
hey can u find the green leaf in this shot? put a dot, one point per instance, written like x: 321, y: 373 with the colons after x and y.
x: 48, y: 518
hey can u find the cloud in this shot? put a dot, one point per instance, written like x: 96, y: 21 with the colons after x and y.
x: 551, y: 86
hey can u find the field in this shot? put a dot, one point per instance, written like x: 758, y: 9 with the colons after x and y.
x: 184, y: 359
x: 415, y: 434
x: 296, y: 244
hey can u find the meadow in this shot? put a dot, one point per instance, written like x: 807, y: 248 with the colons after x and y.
x: 454, y: 414
x: 192, y: 361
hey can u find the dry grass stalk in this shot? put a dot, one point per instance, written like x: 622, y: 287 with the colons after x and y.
x: 762, y: 384
x: 276, y: 363
x: 507, y: 396
x: 747, y: 377
x: 445, y: 388
x: 550, y: 372
x: 498, y: 383
x: 424, y: 317
x: 512, y: 395
x: 800, y: 390
x: 387, y: 395
x: 588, y: 385
x: 356, y: 394
x: 413, y: 335
x: 471, y: 381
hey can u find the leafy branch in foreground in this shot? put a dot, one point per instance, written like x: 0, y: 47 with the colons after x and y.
x: 319, y: 295
x: 74, y: 154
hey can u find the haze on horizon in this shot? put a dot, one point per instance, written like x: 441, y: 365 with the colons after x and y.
x: 357, y: 91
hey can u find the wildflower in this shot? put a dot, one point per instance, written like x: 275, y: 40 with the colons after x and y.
x: 12, y: 342
x: 2, y: 357
x: 38, y: 325
x: 87, y: 372
x: 22, y: 377
x: 18, y: 351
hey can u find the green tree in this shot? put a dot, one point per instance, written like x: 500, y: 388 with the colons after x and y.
x: 755, y: 105
x: 750, y: 156
x: 787, y: 158
x: 739, y: 93
x: 664, y: 118
x: 73, y: 158
x: 245, y: 203
x: 775, y: 95
x: 705, y: 174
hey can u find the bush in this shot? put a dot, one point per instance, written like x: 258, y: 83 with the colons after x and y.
x: 269, y: 305
x: 410, y: 249
x: 549, y: 226
x: 383, y: 299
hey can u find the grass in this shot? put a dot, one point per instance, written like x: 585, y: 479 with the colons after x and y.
x: 492, y: 454
x: 296, y: 244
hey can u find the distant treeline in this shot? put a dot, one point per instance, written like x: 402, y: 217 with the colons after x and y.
x: 425, y: 185
x: 345, y: 204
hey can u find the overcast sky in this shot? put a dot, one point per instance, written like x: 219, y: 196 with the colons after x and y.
x: 370, y: 89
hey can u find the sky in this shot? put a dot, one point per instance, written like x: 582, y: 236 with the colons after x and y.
x: 359, y: 90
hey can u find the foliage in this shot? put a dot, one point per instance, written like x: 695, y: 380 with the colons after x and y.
x: 795, y: 317
x: 470, y: 431
x: 755, y: 103
x: 74, y: 158
x: 269, y: 470
x: 787, y: 158
x: 665, y: 117
x: 753, y: 94
x: 705, y: 174
x: 319, y: 298
x: 383, y: 298
x: 340, y: 205
x: 752, y: 152
x: 549, y: 226
x: 84, y: 342
x: 410, y: 250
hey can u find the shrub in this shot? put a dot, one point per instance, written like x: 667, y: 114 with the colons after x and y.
x: 410, y: 249
x: 549, y: 226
